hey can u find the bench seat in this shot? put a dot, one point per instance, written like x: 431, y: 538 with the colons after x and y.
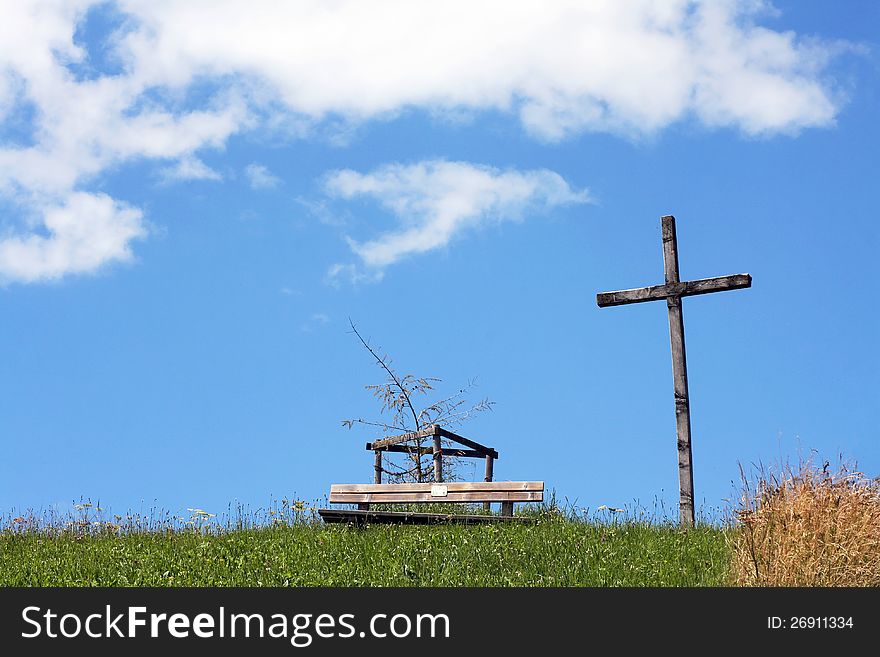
x: 365, y: 495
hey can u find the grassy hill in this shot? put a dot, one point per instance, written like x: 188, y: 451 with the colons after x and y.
x: 554, y: 552
x: 800, y: 526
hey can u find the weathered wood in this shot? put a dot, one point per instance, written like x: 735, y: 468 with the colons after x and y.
x: 466, y: 453
x: 458, y: 486
x: 438, y: 459
x: 400, y: 449
x: 402, y: 498
x: 456, y: 491
x: 377, y: 467
x: 412, y: 449
x: 673, y: 289
x: 404, y: 437
x: 351, y: 516
x: 452, y: 486
x: 461, y: 440
x: 432, y: 431
x: 679, y: 376
x: 363, y: 495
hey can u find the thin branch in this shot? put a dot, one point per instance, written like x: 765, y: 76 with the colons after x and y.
x: 461, y: 416
x: 351, y: 423
x: 390, y: 372
x: 396, y: 395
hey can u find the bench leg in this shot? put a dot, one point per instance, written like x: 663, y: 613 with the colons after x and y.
x: 507, y: 508
x: 490, y: 465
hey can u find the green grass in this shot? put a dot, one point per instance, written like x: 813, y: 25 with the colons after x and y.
x: 556, y: 551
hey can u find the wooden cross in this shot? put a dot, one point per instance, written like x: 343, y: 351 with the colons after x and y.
x: 673, y: 290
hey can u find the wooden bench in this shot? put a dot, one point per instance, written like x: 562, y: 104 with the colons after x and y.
x: 364, y: 495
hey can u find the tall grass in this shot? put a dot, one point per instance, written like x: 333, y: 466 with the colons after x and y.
x: 806, y: 526
x: 801, y: 526
x: 294, y: 549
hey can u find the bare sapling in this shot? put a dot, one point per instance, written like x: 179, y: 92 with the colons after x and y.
x: 403, y: 409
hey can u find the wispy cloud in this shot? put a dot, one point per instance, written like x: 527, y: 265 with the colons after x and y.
x: 340, y: 272
x: 259, y: 177
x: 321, y: 210
x: 315, y: 322
x: 437, y: 200
x: 189, y: 168
x: 562, y: 68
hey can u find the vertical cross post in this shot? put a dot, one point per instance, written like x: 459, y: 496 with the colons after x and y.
x: 673, y: 291
x: 679, y: 376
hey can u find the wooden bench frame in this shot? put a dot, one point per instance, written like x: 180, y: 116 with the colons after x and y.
x: 404, y: 444
x: 505, y: 492
x: 487, y: 491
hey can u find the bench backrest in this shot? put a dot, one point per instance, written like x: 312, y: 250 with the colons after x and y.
x: 456, y: 491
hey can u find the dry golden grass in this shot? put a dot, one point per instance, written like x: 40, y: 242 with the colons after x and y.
x: 808, y: 527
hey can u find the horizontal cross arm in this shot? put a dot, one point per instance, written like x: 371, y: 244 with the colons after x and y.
x: 402, y: 438
x: 429, y: 431
x: 683, y: 289
x: 461, y: 440
x: 446, y: 451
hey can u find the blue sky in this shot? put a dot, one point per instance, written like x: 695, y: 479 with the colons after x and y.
x: 195, y: 197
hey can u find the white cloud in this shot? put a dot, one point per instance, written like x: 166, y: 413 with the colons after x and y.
x: 259, y: 177
x: 82, y: 233
x: 435, y: 201
x: 565, y: 66
x: 192, y: 74
x: 315, y: 322
x: 190, y: 168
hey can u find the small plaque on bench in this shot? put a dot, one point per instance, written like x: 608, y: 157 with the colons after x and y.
x: 438, y: 490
